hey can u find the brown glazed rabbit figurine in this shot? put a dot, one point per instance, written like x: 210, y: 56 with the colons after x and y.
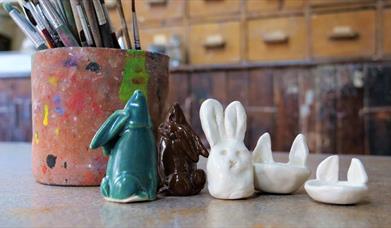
x: 179, y: 150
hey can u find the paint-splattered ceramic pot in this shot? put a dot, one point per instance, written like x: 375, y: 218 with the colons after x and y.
x: 73, y: 91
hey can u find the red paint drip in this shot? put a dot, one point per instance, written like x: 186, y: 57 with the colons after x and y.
x: 44, y: 169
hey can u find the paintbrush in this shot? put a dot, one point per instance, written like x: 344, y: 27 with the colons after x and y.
x: 113, y: 36
x: 26, y: 26
x: 57, y: 5
x: 37, y: 21
x: 62, y: 30
x: 69, y: 16
x: 48, y: 25
x: 92, y: 21
x: 124, y: 27
x: 136, y: 35
x: 85, y: 32
x: 104, y: 27
x: 76, y: 19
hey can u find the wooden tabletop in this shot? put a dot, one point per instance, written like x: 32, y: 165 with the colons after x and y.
x: 23, y: 202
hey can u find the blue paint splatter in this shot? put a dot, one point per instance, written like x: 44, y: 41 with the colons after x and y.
x: 57, y: 103
x: 71, y: 62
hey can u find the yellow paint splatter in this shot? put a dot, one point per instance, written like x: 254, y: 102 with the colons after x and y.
x: 46, y: 115
x: 36, y: 138
x: 53, y: 80
x: 57, y: 131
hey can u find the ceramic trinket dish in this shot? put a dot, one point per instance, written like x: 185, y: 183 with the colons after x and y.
x: 179, y: 150
x: 276, y: 177
x: 326, y: 188
x: 127, y: 138
x: 229, y: 166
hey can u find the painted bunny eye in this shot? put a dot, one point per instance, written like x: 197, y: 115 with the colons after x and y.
x: 237, y: 153
x: 223, y: 152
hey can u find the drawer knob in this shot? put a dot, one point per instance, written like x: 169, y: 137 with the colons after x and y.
x: 214, y: 42
x: 275, y: 37
x: 343, y: 33
x: 157, y: 2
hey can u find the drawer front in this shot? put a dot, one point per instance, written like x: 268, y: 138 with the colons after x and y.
x: 215, y: 43
x: 350, y: 34
x: 277, y: 39
x: 198, y: 8
x: 294, y: 4
x: 160, y: 36
x: 339, y: 2
x: 263, y: 6
x: 150, y: 11
x: 387, y: 32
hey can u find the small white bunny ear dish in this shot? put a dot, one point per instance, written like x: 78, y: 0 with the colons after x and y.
x: 326, y: 188
x: 229, y: 166
x: 276, y: 177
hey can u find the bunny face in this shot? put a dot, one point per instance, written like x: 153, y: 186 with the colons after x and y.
x: 231, y: 155
x: 229, y: 167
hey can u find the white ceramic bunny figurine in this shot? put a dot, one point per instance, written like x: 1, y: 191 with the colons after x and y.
x: 229, y: 166
x: 327, y: 188
x: 276, y: 177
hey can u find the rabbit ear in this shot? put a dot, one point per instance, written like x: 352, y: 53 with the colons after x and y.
x: 235, y: 121
x: 299, y: 151
x: 356, y: 172
x: 328, y: 169
x: 263, y: 150
x: 109, y: 129
x: 211, y: 115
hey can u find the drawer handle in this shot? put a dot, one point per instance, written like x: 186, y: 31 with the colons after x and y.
x: 214, y: 42
x: 275, y: 37
x: 157, y: 2
x: 343, y: 33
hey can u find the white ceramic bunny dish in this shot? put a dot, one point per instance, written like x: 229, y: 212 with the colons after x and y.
x: 276, y: 177
x: 326, y: 188
x: 229, y: 166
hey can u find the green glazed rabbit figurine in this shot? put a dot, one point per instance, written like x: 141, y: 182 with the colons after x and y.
x: 127, y: 138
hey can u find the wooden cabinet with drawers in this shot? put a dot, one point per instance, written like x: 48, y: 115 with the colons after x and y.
x: 215, y: 43
x: 201, y: 8
x: 240, y: 31
x: 282, y: 38
x: 387, y: 31
x: 347, y: 34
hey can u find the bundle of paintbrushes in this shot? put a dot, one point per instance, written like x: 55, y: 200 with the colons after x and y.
x: 72, y: 23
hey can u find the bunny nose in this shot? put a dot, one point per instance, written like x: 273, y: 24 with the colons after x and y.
x: 231, y: 163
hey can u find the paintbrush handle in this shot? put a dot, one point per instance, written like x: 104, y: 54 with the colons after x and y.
x: 28, y: 29
x: 89, y: 9
x: 85, y: 31
x: 70, y: 17
x: 66, y: 36
x: 104, y: 26
x: 124, y: 26
x: 76, y: 18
